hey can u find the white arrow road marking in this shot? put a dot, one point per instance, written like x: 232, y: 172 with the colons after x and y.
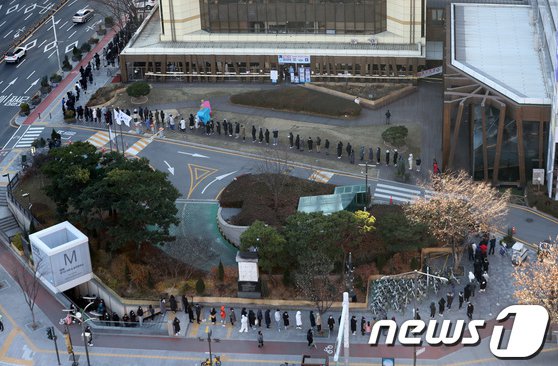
x: 221, y: 177
x: 10, y: 84
x: 71, y: 46
x: 193, y: 155
x: 32, y: 85
x: 170, y: 168
x: 30, y: 75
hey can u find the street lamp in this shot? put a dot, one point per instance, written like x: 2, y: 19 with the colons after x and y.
x: 9, y: 180
x: 209, y: 343
x: 79, y: 317
x: 56, y: 46
x: 367, y: 194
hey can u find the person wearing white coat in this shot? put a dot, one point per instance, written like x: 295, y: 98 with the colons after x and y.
x: 298, y: 320
x: 243, y: 324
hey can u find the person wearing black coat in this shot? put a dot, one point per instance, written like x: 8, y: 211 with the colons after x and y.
x: 198, y: 313
x: 190, y: 314
x: 467, y: 292
x: 432, y: 310
x: 310, y: 338
x: 267, y: 318
x: 291, y: 140
x: 236, y: 129
x: 218, y: 128
x: 173, y: 304
x: 470, y: 309
x: 326, y: 146
x: 441, y: 306
x: 363, y: 326
x: 266, y: 136
x: 353, y: 325
x: 348, y: 149
x: 339, y: 149
x: 176, y: 326
x: 297, y: 142
x: 251, y: 319
x: 310, y: 144
x: 331, y: 323
x: 225, y: 127
x: 230, y: 129
x: 260, y: 317
x: 243, y: 312
x: 378, y: 155
x: 253, y: 133
x: 191, y: 121
x: 312, y: 319
x: 286, y: 319
x: 260, y: 135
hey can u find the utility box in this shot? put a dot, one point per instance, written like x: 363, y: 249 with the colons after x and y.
x: 61, y: 256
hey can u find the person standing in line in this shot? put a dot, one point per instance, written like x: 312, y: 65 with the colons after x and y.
x: 243, y: 129
x: 230, y: 129
x: 331, y: 323
x: 291, y: 140
x: 361, y: 153
x: 243, y: 324
x: 163, y: 306
x: 395, y: 157
x: 326, y: 146
x: 449, y: 296
x: 176, y: 326
x: 310, y: 338
x: 387, y: 157
x: 460, y: 297
x: 352, y: 156
x: 348, y: 149
x: 225, y: 127
x: 353, y: 325
x: 339, y: 149
x: 260, y: 339
x: 297, y: 142
x: 470, y: 309
x: 378, y: 156
x: 312, y: 319
x: 492, y: 244
x: 302, y: 144
x: 362, y: 325
x: 191, y: 122
x: 277, y: 317
x: 388, y: 117
x: 259, y: 317
x: 266, y: 136
x: 223, y: 315
x: 213, y: 316
x: 140, y: 315
x: 173, y: 304
x: 267, y: 318
x: 182, y: 124
x: 260, y: 135
x: 232, y: 316
x: 286, y: 320
x: 318, y: 144
x: 467, y: 292
x: 318, y: 322
x: 370, y: 155
x: 441, y: 306
x: 185, y: 303
x: 198, y: 313
x: 253, y: 133
x: 310, y: 144
x: 236, y: 130
x: 190, y: 313
x: 298, y: 320
x: 275, y: 134
x: 432, y: 310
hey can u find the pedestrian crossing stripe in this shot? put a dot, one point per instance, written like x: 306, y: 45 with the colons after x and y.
x: 138, y: 146
x: 99, y: 139
x: 395, y: 193
x: 320, y: 176
x: 29, y: 136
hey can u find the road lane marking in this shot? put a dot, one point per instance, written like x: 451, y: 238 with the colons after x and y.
x: 67, y: 30
x: 320, y: 176
x: 138, y: 146
x: 197, y: 174
x: 30, y: 74
x: 52, y: 53
x: 29, y: 16
x: 70, y: 36
x: 99, y: 139
x: 72, y: 3
x: 21, y: 63
x: 42, y: 43
x: 4, y: 22
x: 7, y: 34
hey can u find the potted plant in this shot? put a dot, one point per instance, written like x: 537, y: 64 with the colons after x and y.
x: 35, y: 100
x: 55, y: 79
x: 45, y: 86
x: 24, y: 109
x: 66, y: 66
x: 109, y: 22
x: 93, y: 40
x: 76, y: 54
x: 69, y: 116
x: 86, y: 47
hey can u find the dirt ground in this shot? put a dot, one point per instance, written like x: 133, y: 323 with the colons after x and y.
x: 367, y: 91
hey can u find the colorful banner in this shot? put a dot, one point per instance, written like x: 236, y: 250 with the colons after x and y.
x: 293, y: 59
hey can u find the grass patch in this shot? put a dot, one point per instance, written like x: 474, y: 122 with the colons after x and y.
x: 252, y: 195
x: 366, y: 91
x: 298, y: 99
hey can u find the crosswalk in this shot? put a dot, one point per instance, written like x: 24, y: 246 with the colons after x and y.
x: 320, y: 176
x: 138, y: 146
x: 32, y: 133
x: 398, y: 194
x: 99, y: 139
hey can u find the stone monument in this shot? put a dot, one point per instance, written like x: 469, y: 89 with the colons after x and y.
x: 248, y: 275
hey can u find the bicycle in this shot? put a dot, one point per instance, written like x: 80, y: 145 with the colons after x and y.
x: 216, y: 361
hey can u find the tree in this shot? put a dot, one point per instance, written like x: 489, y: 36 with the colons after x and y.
x: 314, y: 281
x: 200, y: 286
x: 29, y: 285
x: 220, y: 272
x: 458, y: 206
x: 269, y: 244
x: 537, y: 282
x: 138, y: 89
x: 400, y: 234
x: 274, y: 172
x: 119, y: 10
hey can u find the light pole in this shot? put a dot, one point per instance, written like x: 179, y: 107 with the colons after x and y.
x: 367, y: 194
x: 8, y: 176
x: 82, y: 322
x: 56, y: 45
x: 209, y: 343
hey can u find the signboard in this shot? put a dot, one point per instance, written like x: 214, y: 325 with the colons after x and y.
x: 274, y: 76
x: 301, y: 74
x: 430, y: 72
x: 293, y: 59
x: 248, y: 272
x: 62, y: 253
x: 308, y: 79
x: 538, y: 176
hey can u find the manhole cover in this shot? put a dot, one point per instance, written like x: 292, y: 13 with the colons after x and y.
x: 529, y: 219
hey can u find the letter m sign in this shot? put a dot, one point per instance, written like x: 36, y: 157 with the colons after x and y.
x: 71, y: 258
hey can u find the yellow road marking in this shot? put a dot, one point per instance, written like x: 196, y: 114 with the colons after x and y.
x: 8, y: 342
x: 193, y: 330
x: 16, y: 361
x: 197, y: 174
x: 544, y: 216
x: 8, y: 316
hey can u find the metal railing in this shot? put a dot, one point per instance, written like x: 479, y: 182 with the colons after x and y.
x: 10, y: 197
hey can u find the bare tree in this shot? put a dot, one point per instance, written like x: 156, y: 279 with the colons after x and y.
x: 536, y: 282
x: 30, y: 285
x: 120, y: 10
x: 457, y: 207
x: 314, y: 281
x: 275, y: 170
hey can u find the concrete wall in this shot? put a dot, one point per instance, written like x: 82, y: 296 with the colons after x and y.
x: 230, y: 232
x: 20, y: 217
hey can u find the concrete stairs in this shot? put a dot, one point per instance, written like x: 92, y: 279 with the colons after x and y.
x: 8, y: 223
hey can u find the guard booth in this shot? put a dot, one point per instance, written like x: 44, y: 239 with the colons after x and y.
x: 314, y: 361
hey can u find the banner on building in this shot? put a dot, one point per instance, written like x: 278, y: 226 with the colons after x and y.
x: 293, y: 59
x: 430, y: 72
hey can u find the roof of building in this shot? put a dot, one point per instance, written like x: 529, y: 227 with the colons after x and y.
x: 498, y: 46
x: 147, y: 40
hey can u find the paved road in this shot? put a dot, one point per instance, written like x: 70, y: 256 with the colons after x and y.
x: 19, y: 82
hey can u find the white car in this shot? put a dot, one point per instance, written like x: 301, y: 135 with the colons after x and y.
x: 145, y: 4
x: 13, y: 57
x: 83, y: 15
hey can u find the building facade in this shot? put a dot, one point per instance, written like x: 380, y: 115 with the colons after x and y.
x: 261, y: 40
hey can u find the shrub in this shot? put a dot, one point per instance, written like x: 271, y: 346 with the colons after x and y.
x: 86, y: 47
x: 76, y: 54
x: 109, y: 22
x: 24, y: 108
x: 138, y: 89
x: 200, y: 287
x: 44, y: 82
x: 93, y: 40
x: 55, y: 78
x: 395, y: 135
x: 69, y: 114
x: 220, y: 272
x: 66, y: 66
x: 18, y: 241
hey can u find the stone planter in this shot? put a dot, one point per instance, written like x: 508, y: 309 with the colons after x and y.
x: 20, y: 252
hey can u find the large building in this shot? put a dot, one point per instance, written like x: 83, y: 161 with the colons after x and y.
x: 283, y: 39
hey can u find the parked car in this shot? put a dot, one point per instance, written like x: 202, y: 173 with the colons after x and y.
x: 13, y: 57
x: 145, y: 4
x: 83, y: 15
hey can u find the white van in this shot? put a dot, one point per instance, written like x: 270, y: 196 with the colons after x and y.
x: 145, y: 4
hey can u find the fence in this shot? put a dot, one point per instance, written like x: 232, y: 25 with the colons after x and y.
x: 11, y: 198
